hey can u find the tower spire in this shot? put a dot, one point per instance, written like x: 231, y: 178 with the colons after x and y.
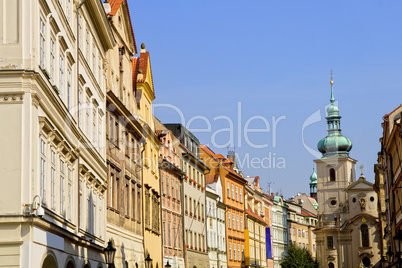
x: 332, y: 89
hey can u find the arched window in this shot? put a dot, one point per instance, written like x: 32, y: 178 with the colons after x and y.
x: 332, y: 176
x: 49, y: 262
x: 365, y: 235
x: 331, y: 265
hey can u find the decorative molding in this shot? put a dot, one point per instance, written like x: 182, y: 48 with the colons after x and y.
x: 10, y: 97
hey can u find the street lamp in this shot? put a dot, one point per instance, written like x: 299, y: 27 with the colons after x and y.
x: 148, y: 262
x: 390, y: 255
x: 168, y: 265
x: 110, y: 251
x: 398, y: 246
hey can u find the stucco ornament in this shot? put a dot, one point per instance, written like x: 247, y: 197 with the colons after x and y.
x: 362, y: 202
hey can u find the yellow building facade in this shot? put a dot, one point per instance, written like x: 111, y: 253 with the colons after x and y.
x: 144, y: 95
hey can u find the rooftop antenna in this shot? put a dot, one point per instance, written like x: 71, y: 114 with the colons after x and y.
x: 269, y: 185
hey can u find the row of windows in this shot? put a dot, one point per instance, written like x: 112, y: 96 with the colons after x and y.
x: 170, y: 188
x: 193, y: 208
x: 60, y: 174
x: 194, y: 174
x: 235, y: 255
x: 233, y: 221
x: 171, y: 234
x: 121, y: 188
x: 195, y: 240
x: 239, y: 193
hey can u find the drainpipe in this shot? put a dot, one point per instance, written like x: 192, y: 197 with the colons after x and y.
x: 142, y: 208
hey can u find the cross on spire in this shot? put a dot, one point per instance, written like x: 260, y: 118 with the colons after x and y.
x: 361, y: 167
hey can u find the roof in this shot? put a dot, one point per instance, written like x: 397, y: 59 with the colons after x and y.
x: 143, y: 66
x: 385, y: 116
x: 253, y: 214
x: 210, y: 178
x: 115, y: 5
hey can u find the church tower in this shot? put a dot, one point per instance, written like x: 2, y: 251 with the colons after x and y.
x: 335, y: 172
x: 313, y: 185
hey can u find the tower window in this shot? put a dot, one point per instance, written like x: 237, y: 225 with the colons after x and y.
x: 330, y: 242
x: 332, y: 175
x: 365, y: 235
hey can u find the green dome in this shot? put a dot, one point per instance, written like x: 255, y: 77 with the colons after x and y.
x: 332, y: 110
x: 313, y: 177
x: 334, y: 144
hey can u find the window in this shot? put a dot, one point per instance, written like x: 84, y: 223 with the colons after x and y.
x: 330, y: 242
x: 127, y: 197
x: 364, y: 235
x: 43, y: 170
x: 241, y: 195
x: 52, y: 60
x: 177, y: 191
x: 229, y: 219
x: 99, y: 131
x: 168, y: 235
x: 87, y: 118
x: 238, y: 252
x: 80, y: 107
x: 42, y: 42
x: 237, y: 197
x: 61, y: 76
x: 133, y: 201
x: 53, y: 179
x: 94, y: 128
x: 87, y: 45
x: 230, y: 251
x: 332, y: 176
x: 237, y: 222
x: 62, y: 185
x: 100, y: 71
x: 234, y: 251
x: 233, y: 221
x: 94, y: 59
x: 173, y: 189
x: 81, y: 193
x: 69, y: 84
x: 228, y: 188
x: 232, y: 192
x: 68, y: 11
x: 162, y: 186
x: 70, y: 193
x: 241, y: 223
x: 139, y: 204
x: 167, y: 186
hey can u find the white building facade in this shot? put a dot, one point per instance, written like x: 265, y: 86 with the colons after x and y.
x: 279, y: 230
x: 53, y: 155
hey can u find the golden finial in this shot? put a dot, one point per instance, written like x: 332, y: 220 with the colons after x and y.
x: 361, y: 167
x: 332, y: 82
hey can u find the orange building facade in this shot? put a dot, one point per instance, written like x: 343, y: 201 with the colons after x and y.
x: 233, y: 197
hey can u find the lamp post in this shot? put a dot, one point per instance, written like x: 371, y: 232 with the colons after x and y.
x: 390, y: 256
x: 148, y: 262
x: 110, y: 252
x: 398, y: 246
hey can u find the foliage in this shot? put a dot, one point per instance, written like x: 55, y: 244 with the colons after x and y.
x: 297, y: 257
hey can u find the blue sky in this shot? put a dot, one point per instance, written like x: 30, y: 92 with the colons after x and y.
x: 273, y: 58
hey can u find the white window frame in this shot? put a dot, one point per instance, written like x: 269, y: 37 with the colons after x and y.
x: 42, y: 169
x: 42, y: 42
x: 61, y: 76
x: 70, y: 193
x: 53, y: 178
x: 62, y: 186
x: 69, y: 87
x: 52, y: 59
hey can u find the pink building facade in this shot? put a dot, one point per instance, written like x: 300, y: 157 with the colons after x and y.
x: 171, y: 190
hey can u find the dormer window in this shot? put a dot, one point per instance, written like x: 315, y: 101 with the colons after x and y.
x: 332, y: 175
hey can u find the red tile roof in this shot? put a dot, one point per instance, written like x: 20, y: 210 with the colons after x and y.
x: 211, y: 178
x: 143, y: 66
x: 252, y: 213
x: 115, y: 5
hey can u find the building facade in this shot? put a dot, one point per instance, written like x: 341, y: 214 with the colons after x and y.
x: 233, y: 198
x: 279, y: 230
x: 171, y: 190
x: 255, y: 226
x: 347, y: 211
x: 124, y: 141
x: 195, y: 233
x: 388, y: 186
x: 144, y: 95
x: 53, y: 156
x: 217, y: 245
x: 268, y: 202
